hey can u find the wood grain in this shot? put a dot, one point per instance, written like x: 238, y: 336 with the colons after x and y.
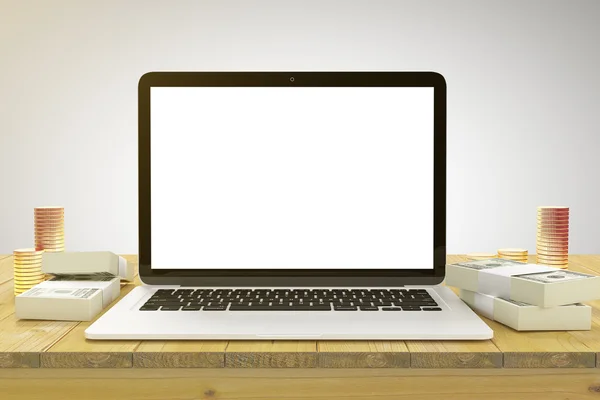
x: 454, y: 354
x: 180, y: 354
x: 102, y: 359
x: 362, y: 354
x: 19, y: 360
x: 271, y: 354
x: 297, y: 384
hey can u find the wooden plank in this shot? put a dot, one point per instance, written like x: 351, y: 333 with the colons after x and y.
x: 180, y: 354
x: 300, y: 384
x: 19, y: 360
x: 589, y: 265
x: 454, y: 354
x: 75, y: 351
x: 271, y: 354
x: 362, y: 354
x: 6, y: 268
x: 29, y: 337
x: 538, y: 349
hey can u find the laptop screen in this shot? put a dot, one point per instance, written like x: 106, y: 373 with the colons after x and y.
x: 292, y: 177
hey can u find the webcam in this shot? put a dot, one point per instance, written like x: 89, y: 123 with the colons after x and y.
x: 291, y: 79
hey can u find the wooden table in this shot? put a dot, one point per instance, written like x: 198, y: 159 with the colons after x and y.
x: 52, y: 360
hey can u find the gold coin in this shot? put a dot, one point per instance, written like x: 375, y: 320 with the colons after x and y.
x: 48, y: 217
x: 27, y: 260
x: 552, y: 242
x: 552, y: 256
x: 49, y: 235
x: 27, y: 267
x: 27, y: 251
x: 57, y: 250
x: 481, y: 255
x: 552, y: 221
x: 58, y: 238
x: 57, y: 224
x: 552, y: 262
x: 28, y: 280
x: 47, y: 223
x: 552, y: 249
x: 558, y: 208
x: 553, y: 228
x: 49, y: 214
x: 24, y: 287
x: 549, y: 236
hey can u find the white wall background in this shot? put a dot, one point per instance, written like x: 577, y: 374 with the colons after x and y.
x: 523, y: 100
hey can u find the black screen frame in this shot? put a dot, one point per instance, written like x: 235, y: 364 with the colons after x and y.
x: 292, y: 277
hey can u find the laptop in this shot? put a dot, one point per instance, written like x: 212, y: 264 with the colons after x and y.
x: 291, y: 205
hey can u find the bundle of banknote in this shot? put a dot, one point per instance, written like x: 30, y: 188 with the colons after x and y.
x: 533, y: 284
x: 87, y: 262
x: 526, y: 317
x: 68, y: 297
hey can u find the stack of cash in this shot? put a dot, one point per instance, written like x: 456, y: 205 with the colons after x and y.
x: 87, y: 262
x: 525, y: 296
x: 68, y: 298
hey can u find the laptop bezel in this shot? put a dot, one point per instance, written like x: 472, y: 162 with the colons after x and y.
x: 292, y: 277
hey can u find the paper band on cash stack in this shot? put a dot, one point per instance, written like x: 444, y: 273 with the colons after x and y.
x: 533, y: 284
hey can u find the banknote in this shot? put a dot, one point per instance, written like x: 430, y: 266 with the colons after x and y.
x: 554, y: 276
x: 96, y: 277
x: 487, y: 264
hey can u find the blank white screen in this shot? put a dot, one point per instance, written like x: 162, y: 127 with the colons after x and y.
x: 289, y: 177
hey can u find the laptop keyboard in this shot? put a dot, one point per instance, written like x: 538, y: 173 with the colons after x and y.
x: 291, y: 300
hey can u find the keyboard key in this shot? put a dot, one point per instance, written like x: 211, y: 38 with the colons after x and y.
x: 170, y: 308
x: 391, y: 309
x: 432, y: 309
x: 191, y: 308
x: 345, y: 308
x: 369, y: 308
x: 147, y: 307
x: 404, y: 308
x: 215, y: 308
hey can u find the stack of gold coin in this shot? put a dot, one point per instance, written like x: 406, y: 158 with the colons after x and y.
x: 519, y: 255
x: 27, y: 264
x: 49, y: 228
x: 480, y: 256
x: 553, y: 236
